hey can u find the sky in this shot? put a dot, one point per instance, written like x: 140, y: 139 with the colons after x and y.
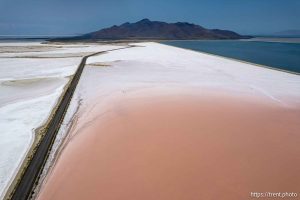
x: 68, y: 17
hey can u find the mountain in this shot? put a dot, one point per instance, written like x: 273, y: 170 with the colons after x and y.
x: 288, y: 33
x: 146, y: 29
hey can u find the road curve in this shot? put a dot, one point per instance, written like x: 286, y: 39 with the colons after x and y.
x: 24, y: 188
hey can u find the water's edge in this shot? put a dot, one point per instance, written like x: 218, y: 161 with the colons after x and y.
x: 281, y: 56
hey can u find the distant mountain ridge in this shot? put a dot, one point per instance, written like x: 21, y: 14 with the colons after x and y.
x: 146, y: 29
x: 295, y: 32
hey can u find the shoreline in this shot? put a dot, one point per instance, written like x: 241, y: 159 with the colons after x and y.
x: 235, y: 59
x: 162, y: 42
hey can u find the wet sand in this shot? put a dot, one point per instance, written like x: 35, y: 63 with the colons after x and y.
x: 180, y: 147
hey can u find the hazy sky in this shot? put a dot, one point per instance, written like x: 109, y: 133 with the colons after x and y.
x: 55, y: 17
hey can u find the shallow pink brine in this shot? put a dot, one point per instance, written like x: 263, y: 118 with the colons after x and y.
x: 180, y: 147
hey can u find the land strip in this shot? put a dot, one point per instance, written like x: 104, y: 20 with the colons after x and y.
x: 25, y: 182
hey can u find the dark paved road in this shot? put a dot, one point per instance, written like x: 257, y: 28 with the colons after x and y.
x: 25, y: 187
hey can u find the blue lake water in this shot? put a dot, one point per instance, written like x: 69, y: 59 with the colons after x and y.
x: 282, y: 55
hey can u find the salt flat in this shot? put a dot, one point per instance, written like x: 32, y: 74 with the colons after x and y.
x: 159, y: 65
x: 32, y: 78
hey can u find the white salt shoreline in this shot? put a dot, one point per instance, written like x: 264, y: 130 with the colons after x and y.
x: 163, y: 64
x: 235, y: 59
